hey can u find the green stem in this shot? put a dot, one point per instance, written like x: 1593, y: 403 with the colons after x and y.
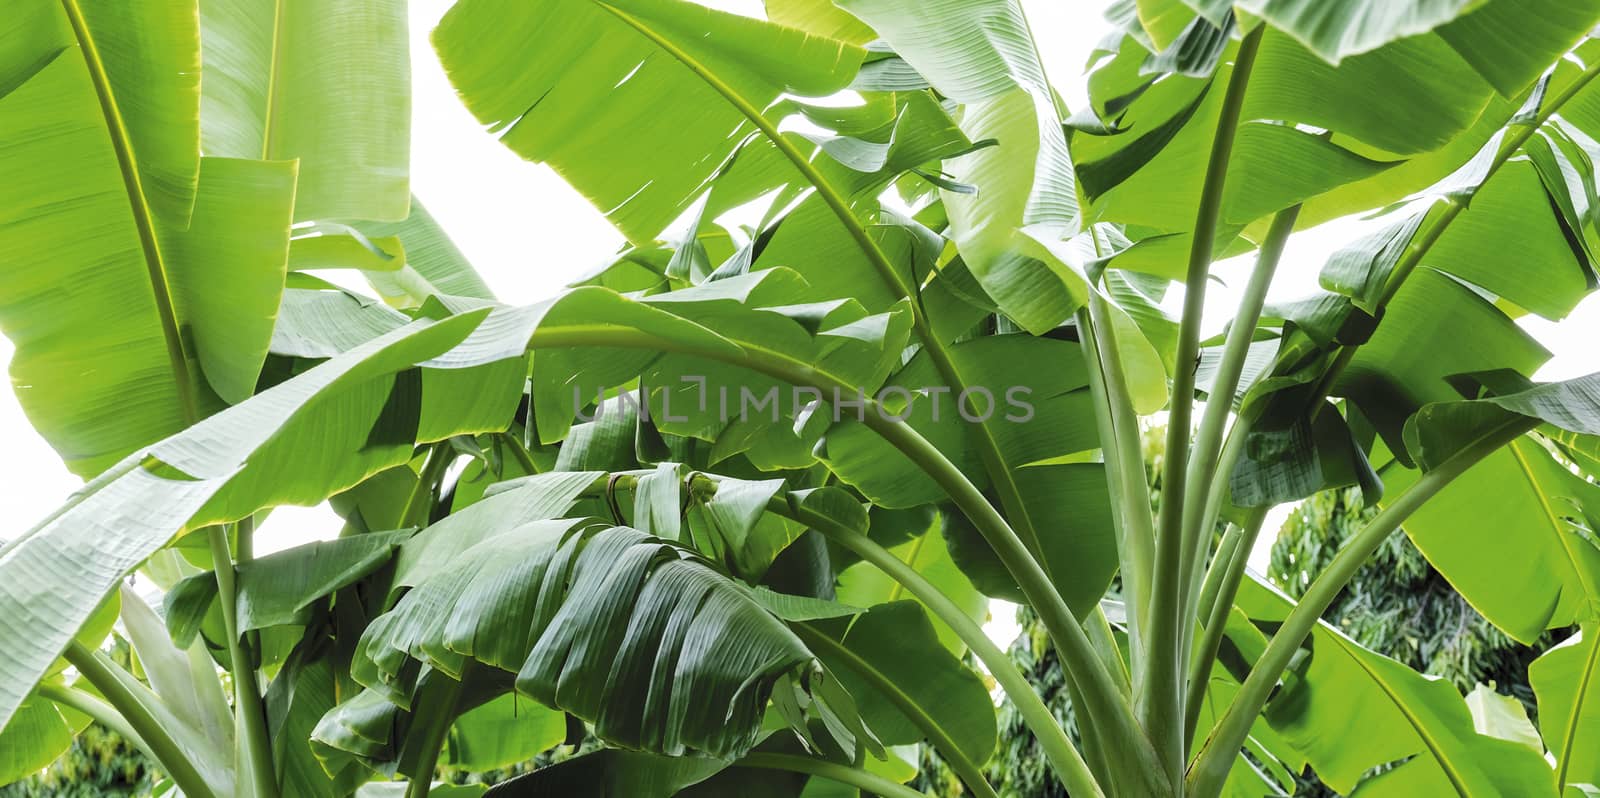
x: 964, y: 768
x: 419, y: 505
x: 520, y: 453
x: 173, y: 758
x: 256, y: 744
x: 1105, y: 642
x: 1064, y: 759
x: 98, y: 711
x: 1162, y: 705
x: 1211, y: 767
x: 1104, y: 704
x: 1202, y: 591
x: 1089, y: 743
x: 1229, y: 565
x: 1124, y: 456
x: 844, y: 774
x: 1203, y: 461
x: 437, y: 705
x: 1217, y: 570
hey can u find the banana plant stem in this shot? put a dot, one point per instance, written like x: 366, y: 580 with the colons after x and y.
x: 1231, y: 449
x: 844, y: 774
x: 173, y: 758
x: 438, y: 707
x: 419, y: 505
x: 1210, y: 770
x: 1203, y: 460
x: 256, y: 744
x: 98, y: 711
x: 1104, y: 704
x: 1229, y: 571
x: 1161, y: 707
x: 1124, y: 456
x: 519, y: 452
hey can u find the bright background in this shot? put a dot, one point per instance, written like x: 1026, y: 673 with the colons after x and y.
x: 529, y: 234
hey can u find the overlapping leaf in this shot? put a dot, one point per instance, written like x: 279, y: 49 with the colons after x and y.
x: 607, y: 73
x: 109, y: 200
x: 656, y: 649
x: 322, y: 82
x: 1420, y: 724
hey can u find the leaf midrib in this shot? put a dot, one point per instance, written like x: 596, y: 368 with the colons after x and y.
x: 1557, y: 527
x: 139, y: 206
x: 1456, y: 779
x: 1578, y: 699
x: 269, y: 122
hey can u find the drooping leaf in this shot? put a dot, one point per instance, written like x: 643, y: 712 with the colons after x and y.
x: 608, y: 616
x: 1336, y: 30
x: 103, y: 155
x: 1287, y: 461
x: 234, y: 460
x: 906, y: 684
x: 607, y: 72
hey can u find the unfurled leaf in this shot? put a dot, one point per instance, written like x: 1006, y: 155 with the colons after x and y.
x: 608, y: 72
x: 277, y: 87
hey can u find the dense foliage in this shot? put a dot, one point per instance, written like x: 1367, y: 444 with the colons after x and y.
x: 1396, y: 605
x: 880, y: 348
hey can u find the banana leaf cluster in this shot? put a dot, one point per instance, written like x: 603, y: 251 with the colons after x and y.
x: 876, y: 352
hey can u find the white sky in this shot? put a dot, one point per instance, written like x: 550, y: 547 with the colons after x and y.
x: 529, y: 234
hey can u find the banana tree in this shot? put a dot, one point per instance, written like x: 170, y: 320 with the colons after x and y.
x: 880, y: 348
